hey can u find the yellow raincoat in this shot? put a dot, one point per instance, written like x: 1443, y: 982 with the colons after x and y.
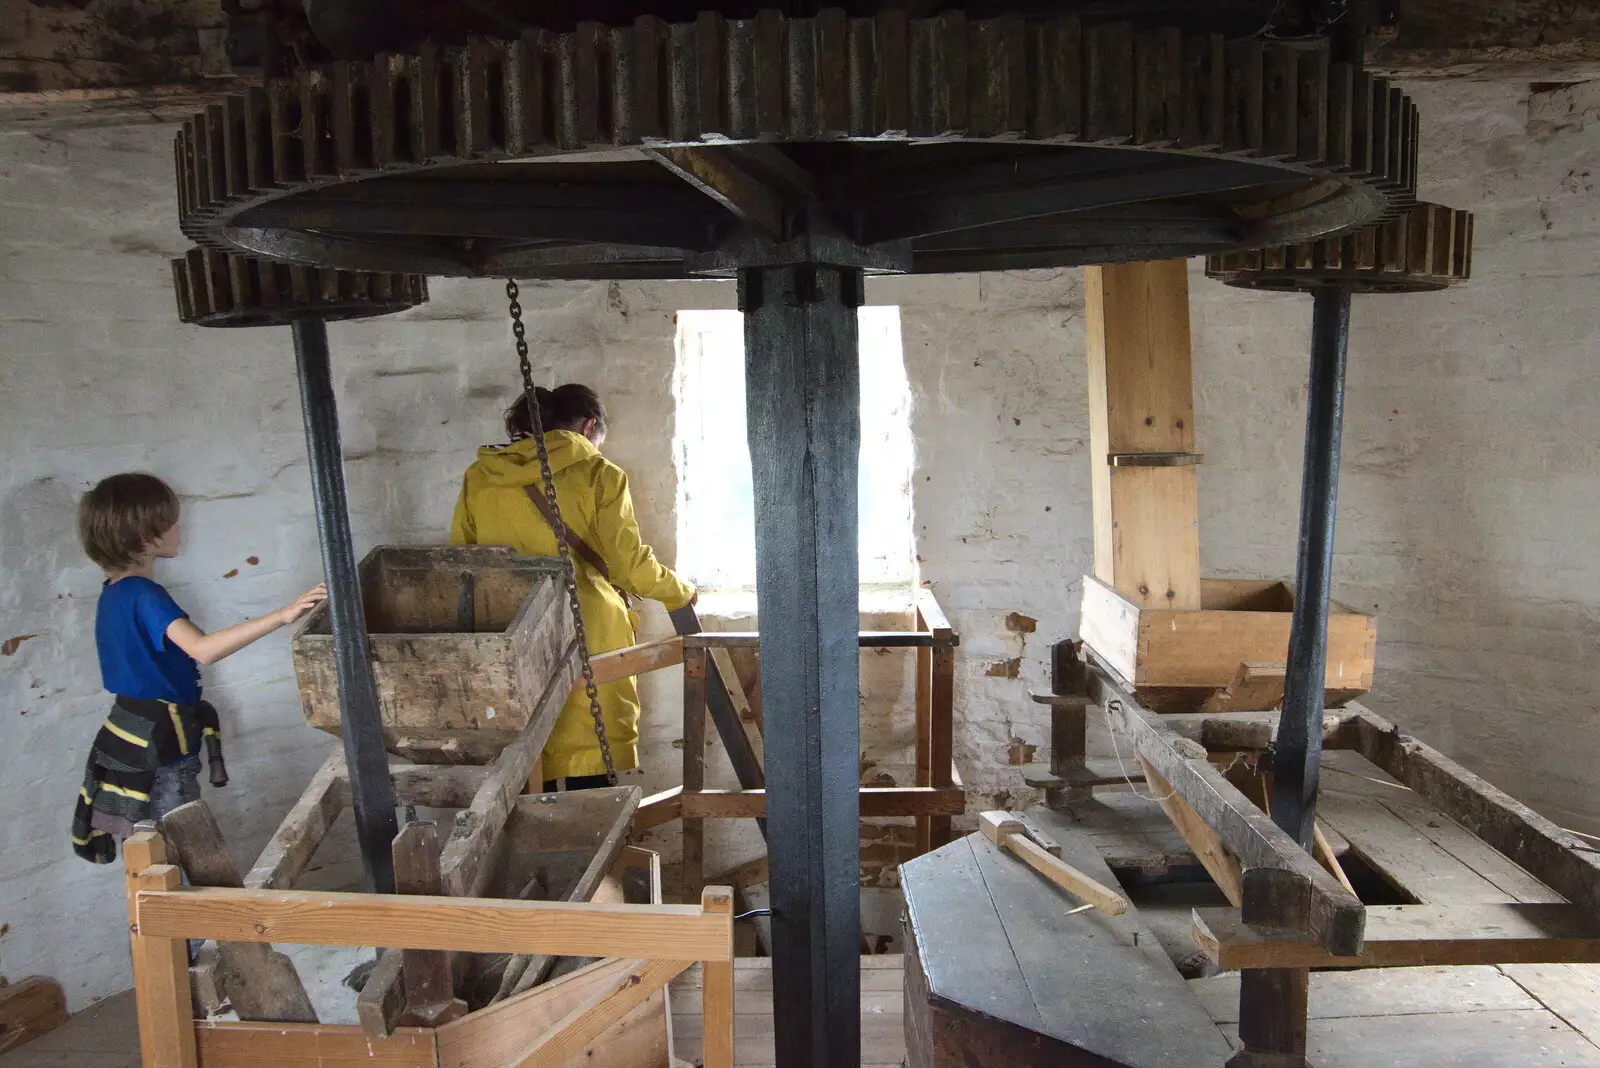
x: 595, y: 504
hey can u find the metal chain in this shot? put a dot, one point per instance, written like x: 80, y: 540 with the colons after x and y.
x: 568, y: 565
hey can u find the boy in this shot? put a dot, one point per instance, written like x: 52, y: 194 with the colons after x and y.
x: 145, y: 761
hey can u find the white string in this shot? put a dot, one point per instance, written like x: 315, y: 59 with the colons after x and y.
x: 1123, y: 768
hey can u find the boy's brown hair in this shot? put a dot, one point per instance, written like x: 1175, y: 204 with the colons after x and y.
x: 122, y: 515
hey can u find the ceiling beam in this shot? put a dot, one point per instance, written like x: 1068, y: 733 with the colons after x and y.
x: 718, y: 174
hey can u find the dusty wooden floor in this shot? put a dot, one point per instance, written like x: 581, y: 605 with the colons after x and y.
x: 883, y: 1043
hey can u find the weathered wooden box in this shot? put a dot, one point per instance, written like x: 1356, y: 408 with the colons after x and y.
x: 464, y: 641
x: 1176, y: 661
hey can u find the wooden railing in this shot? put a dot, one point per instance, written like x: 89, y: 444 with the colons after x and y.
x: 655, y: 942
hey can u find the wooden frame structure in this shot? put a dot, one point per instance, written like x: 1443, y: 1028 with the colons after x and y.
x: 936, y: 796
x: 647, y: 944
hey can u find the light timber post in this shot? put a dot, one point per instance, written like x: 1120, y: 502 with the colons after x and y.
x: 1141, y: 433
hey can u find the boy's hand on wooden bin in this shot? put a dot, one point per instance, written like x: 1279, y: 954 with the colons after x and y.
x: 303, y: 603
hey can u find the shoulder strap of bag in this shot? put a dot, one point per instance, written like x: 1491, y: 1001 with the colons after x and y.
x: 577, y: 544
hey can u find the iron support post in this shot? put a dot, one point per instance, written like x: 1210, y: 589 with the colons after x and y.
x: 804, y: 407
x: 1298, y: 747
x: 371, y: 791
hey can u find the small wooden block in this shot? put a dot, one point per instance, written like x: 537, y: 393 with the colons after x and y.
x: 29, y: 1008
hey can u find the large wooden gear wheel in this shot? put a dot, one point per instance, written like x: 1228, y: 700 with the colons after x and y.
x: 1427, y: 250
x: 218, y: 289
x: 942, y: 144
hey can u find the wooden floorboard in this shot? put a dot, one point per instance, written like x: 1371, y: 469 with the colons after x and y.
x: 1571, y: 991
x: 1130, y: 832
x: 882, y: 1032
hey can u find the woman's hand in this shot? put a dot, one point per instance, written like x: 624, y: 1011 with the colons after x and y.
x: 302, y: 604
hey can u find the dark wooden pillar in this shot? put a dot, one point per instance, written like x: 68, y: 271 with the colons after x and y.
x: 804, y: 401
x: 371, y: 790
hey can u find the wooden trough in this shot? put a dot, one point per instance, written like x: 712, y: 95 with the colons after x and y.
x: 1227, y: 656
x: 465, y: 640
x: 523, y: 889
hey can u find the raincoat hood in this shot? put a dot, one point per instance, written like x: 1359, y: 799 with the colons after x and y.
x: 517, y: 464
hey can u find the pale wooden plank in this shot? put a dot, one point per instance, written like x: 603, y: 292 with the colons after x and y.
x: 302, y: 830
x: 1459, y: 1040
x: 1221, y: 865
x: 717, y: 990
x: 469, y: 925
x: 607, y: 1006
x: 261, y: 1045
x: 162, y: 966
x: 877, y: 802
x: 1571, y: 991
x: 1406, y: 935
x: 1413, y: 864
x: 636, y: 660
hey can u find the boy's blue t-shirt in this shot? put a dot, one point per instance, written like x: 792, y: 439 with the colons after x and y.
x: 136, y: 659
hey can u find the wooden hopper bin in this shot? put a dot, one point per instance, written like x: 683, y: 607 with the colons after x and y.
x: 464, y: 641
x: 1228, y: 656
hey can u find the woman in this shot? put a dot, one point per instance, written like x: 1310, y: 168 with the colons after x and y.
x: 496, y: 509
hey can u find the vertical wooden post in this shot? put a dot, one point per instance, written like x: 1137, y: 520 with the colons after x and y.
x: 430, y: 999
x: 1069, y: 722
x: 716, y: 1005
x: 1141, y: 418
x: 1273, y: 1005
x: 160, y: 965
x: 142, y: 850
x: 694, y: 766
x: 924, y: 691
x: 942, y: 697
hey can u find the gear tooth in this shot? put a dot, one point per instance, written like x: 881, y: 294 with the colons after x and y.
x: 758, y: 82
x: 584, y: 112
x: 1108, y: 83
x: 893, y: 50
x: 213, y: 132
x: 998, y: 106
x: 283, y: 106
x: 257, y: 140
x: 1055, y: 106
x: 426, y: 123
x: 1280, y: 101
x: 214, y: 288
x: 833, y: 74
x: 1362, y: 155
x: 1341, y: 116
x: 1311, y: 106
x: 316, y: 113
x: 235, y: 161
x: 181, y: 173
x: 648, y: 62
x: 180, y: 290
x: 1204, y: 91
x: 527, y: 91
x: 792, y: 82
x: 1158, y: 87
x: 1243, y: 125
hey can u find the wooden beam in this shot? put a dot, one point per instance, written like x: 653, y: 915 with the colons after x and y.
x: 1256, y: 684
x: 383, y: 996
x: 876, y: 802
x: 467, y: 925
x: 261, y: 984
x: 296, y: 840
x: 1010, y: 833
x: 429, y: 986
x: 1556, y: 857
x: 1316, y: 902
x: 1221, y: 865
x: 463, y: 865
x: 247, y: 1045
x: 573, y: 1033
x: 923, y: 697
x: 1404, y: 936
x: 658, y: 808
x: 1235, y: 731
x: 29, y: 1008
x: 437, y: 785
x: 716, y: 1002
x: 162, y: 969
x: 525, y: 970
x: 636, y: 660
x: 866, y: 639
x: 715, y: 172
x: 1141, y: 400
x: 692, y: 863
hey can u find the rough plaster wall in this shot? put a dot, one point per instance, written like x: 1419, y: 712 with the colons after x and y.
x: 1468, y: 501
x: 1471, y: 482
x: 97, y: 376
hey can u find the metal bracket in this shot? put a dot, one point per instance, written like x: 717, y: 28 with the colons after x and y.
x: 1155, y: 459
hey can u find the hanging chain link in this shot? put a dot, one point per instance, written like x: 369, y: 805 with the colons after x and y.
x: 569, y: 566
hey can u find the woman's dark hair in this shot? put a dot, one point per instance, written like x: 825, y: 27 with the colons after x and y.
x: 563, y: 408
x: 122, y: 515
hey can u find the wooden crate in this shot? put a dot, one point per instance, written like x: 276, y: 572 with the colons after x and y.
x: 448, y: 693
x: 1176, y: 661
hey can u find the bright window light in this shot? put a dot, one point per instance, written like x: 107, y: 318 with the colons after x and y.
x: 716, y: 516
